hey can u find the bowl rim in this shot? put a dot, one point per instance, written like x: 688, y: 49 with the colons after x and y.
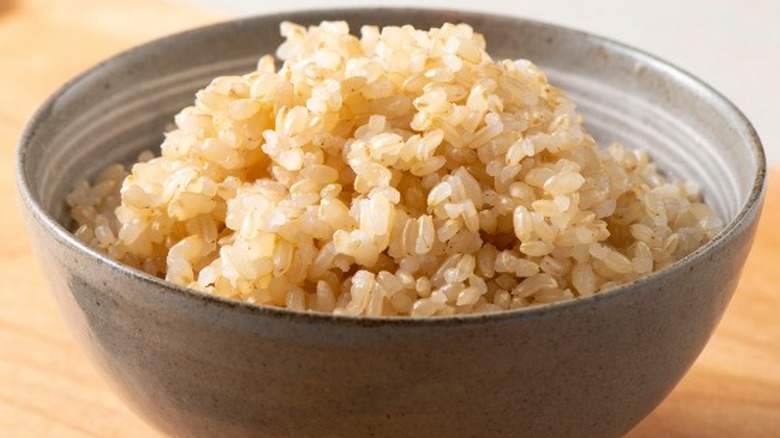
x: 160, y: 286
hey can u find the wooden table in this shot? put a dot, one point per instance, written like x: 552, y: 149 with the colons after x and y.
x: 48, y: 388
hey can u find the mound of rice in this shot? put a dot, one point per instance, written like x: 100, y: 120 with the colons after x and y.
x: 404, y: 172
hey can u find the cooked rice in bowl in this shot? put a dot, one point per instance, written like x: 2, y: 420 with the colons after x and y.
x: 404, y: 172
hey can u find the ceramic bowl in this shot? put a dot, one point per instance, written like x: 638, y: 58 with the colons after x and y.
x: 198, y: 365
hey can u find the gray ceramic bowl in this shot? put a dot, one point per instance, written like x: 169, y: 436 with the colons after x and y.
x: 196, y: 365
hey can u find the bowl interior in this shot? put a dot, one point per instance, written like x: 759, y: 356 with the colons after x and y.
x: 122, y: 106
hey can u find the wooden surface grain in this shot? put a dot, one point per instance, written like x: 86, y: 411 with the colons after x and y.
x: 48, y: 388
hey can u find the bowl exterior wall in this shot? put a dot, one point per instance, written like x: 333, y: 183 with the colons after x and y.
x: 196, y: 369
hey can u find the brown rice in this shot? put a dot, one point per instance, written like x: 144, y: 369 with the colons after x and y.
x: 404, y: 172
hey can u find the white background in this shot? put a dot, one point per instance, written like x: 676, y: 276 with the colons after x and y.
x: 732, y: 45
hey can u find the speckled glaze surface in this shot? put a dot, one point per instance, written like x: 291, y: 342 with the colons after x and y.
x: 195, y: 365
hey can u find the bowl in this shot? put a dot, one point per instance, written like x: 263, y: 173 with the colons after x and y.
x: 199, y: 365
